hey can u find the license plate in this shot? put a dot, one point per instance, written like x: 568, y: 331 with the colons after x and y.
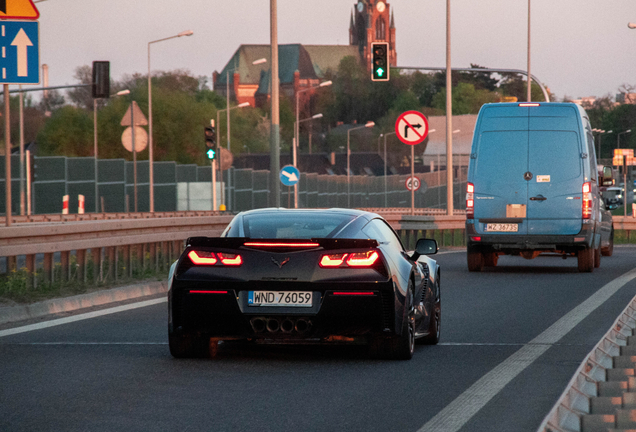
x: 280, y: 298
x: 502, y: 227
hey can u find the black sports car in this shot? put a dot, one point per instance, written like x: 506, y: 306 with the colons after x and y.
x: 306, y: 276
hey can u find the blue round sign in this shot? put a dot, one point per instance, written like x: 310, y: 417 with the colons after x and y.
x: 289, y: 175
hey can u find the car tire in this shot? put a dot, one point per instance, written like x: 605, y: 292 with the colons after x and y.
x: 609, y: 250
x: 585, y: 258
x: 434, y: 326
x: 491, y: 259
x: 475, y: 260
x: 399, y: 347
x: 188, y: 346
x: 597, y: 257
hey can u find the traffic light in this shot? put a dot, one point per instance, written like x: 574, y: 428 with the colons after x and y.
x: 101, y: 79
x: 379, y: 61
x: 210, y: 142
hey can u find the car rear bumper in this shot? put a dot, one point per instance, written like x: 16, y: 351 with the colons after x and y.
x: 515, y: 243
x: 225, y: 313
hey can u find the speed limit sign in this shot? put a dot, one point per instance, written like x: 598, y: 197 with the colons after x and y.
x: 413, y: 183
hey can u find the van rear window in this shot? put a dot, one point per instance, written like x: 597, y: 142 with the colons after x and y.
x: 555, y: 153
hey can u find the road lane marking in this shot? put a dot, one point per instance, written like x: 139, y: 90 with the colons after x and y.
x: 456, y: 414
x: 80, y: 317
x: 85, y: 343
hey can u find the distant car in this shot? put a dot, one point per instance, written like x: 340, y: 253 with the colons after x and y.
x: 613, y: 197
x: 305, y: 276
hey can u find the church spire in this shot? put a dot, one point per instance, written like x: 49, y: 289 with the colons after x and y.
x: 392, y: 25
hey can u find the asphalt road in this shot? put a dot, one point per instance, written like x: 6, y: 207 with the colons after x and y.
x: 114, y: 372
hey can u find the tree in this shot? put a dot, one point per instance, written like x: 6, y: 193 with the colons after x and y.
x: 466, y: 99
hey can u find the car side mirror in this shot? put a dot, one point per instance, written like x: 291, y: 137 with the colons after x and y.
x: 424, y: 246
x: 607, y: 178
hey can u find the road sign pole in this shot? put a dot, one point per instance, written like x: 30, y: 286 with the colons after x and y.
x: 134, y: 152
x: 412, y: 180
x: 7, y: 155
x: 213, y: 163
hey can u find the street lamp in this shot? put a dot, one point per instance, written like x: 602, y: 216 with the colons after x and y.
x: 631, y: 25
x: 296, y: 129
x: 619, y: 137
x: 150, y: 148
x: 119, y: 93
x: 218, y: 143
x: 295, y: 151
x: 367, y: 125
x: 600, y: 132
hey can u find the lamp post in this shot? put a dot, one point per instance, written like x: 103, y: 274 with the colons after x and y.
x: 619, y: 137
x: 119, y: 93
x: 529, y: 98
x: 295, y: 151
x: 386, y: 192
x: 449, y: 116
x: 218, y: 126
x: 367, y: 125
x: 150, y: 147
x: 296, y: 129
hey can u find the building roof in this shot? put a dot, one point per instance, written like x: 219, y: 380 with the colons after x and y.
x: 325, y: 57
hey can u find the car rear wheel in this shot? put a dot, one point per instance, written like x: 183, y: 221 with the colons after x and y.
x: 434, y: 326
x: 399, y: 347
x: 189, y: 346
x: 475, y: 260
x: 585, y: 259
x: 609, y: 250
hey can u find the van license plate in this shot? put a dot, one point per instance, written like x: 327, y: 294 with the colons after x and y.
x: 502, y: 227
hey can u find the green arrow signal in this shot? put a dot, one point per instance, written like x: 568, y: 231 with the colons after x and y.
x: 211, y: 154
x: 379, y: 72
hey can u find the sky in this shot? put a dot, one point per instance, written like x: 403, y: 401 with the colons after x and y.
x: 578, y: 47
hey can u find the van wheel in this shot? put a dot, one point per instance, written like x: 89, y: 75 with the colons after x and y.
x: 609, y: 251
x: 586, y: 260
x: 597, y: 257
x: 490, y: 259
x: 475, y: 260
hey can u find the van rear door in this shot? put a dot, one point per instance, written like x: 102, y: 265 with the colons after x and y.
x: 555, y: 189
x: 501, y: 161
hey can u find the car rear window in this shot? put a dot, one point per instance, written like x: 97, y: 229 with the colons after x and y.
x: 294, y: 225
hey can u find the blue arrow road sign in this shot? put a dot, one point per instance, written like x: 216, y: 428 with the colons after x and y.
x: 20, y: 59
x: 289, y: 175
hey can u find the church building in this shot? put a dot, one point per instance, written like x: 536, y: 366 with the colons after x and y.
x: 304, y: 66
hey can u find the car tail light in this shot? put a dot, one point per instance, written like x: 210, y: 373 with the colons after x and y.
x: 202, y: 257
x: 470, y: 201
x: 358, y: 259
x: 207, y: 292
x: 230, y: 259
x: 362, y: 259
x: 476, y: 238
x: 334, y: 260
x: 587, y: 200
x: 199, y: 257
x: 354, y: 293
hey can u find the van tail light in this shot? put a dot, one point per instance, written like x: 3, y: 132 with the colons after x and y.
x: 587, y: 200
x: 359, y: 259
x: 470, y: 201
x: 199, y: 257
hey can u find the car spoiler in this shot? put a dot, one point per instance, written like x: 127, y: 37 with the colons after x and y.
x: 238, y: 242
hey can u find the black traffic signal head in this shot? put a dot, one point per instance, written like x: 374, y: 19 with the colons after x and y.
x: 210, y: 137
x: 101, y: 79
x: 379, y: 61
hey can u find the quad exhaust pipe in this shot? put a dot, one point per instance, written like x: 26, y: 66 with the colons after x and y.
x: 285, y: 325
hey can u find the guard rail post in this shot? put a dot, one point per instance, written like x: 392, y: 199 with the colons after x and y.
x: 125, y: 255
x: 11, y: 264
x: 48, y: 268
x: 64, y: 262
x: 96, y: 255
x: 80, y: 256
x: 165, y: 256
x: 112, y: 263
x: 152, y: 251
x: 30, y: 266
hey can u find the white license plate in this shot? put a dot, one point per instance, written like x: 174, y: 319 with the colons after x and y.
x: 280, y: 298
x: 502, y: 227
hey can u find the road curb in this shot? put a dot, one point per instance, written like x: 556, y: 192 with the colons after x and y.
x: 47, y: 307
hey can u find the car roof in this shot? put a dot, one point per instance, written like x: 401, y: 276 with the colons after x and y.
x: 313, y: 212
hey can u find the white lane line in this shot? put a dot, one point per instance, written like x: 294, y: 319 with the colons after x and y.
x: 88, y: 315
x: 456, y: 414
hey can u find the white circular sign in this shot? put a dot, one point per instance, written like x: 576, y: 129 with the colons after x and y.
x: 411, y: 127
x: 141, y: 139
x: 413, y: 182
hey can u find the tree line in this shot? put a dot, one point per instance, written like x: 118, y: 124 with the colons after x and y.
x: 183, y: 104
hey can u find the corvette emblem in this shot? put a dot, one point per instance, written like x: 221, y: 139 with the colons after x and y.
x: 280, y: 264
